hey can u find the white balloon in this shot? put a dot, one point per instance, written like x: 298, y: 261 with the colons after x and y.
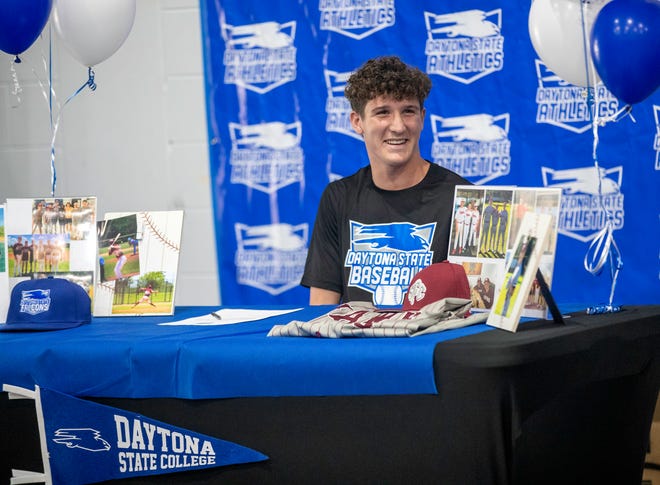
x: 558, y: 35
x: 93, y: 30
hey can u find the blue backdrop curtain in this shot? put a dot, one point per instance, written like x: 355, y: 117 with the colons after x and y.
x: 279, y: 132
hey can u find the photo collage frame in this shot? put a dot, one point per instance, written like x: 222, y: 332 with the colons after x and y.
x: 485, y: 223
x: 50, y: 237
x: 127, y: 262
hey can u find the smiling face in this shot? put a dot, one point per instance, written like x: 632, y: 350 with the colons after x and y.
x: 391, y: 131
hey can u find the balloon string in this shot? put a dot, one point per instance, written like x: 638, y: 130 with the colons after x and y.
x: 47, y: 91
x: 53, y: 172
x: 50, y: 74
x: 618, y: 116
x: 585, y: 43
x: 16, y: 89
x: 92, y: 85
x: 603, y: 248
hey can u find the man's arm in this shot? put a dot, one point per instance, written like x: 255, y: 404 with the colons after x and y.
x: 319, y: 296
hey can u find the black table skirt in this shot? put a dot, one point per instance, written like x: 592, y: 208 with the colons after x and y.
x: 548, y: 405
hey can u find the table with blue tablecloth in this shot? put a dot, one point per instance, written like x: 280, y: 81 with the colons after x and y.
x: 551, y: 403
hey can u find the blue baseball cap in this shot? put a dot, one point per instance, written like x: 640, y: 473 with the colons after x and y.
x: 47, y: 304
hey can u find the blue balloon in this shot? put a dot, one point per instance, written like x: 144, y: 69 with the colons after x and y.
x: 21, y: 22
x: 625, y: 47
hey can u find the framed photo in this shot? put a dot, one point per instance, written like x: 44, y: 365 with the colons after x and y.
x: 485, y: 223
x: 520, y: 273
x: 138, y: 258
x: 51, y: 237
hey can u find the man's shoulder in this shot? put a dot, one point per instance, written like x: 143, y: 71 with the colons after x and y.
x: 349, y: 182
x: 361, y: 174
x: 438, y: 173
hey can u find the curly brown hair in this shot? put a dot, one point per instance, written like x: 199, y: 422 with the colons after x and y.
x: 386, y: 76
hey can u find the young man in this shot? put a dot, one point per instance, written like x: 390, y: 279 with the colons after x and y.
x: 376, y: 229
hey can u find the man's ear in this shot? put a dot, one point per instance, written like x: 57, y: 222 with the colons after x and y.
x: 356, y: 123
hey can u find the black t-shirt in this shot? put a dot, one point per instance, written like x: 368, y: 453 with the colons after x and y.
x: 368, y: 243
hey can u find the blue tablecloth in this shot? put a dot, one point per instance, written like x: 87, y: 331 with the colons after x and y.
x: 134, y: 357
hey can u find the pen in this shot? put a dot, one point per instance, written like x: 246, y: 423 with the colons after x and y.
x: 216, y: 315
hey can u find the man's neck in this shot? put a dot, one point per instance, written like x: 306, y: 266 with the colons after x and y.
x: 400, y: 177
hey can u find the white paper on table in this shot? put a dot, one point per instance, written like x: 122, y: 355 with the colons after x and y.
x: 231, y: 315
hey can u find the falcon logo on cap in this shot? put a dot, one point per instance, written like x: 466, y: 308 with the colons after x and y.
x: 35, y: 301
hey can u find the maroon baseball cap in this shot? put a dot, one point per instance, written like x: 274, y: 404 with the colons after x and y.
x: 435, y: 282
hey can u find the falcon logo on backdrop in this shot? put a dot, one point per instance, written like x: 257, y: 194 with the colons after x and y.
x: 266, y: 156
x: 85, y: 442
x: 259, y: 57
x: 474, y: 146
x: 337, y: 106
x: 384, y: 258
x: 564, y: 105
x: 271, y: 257
x: 656, y: 139
x: 581, y: 215
x: 356, y: 20
x: 464, y: 46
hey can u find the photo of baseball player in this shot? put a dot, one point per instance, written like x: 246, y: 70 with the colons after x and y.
x: 150, y: 293
x: 120, y: 255
x: 466, y: 223
x: 146, y: 296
